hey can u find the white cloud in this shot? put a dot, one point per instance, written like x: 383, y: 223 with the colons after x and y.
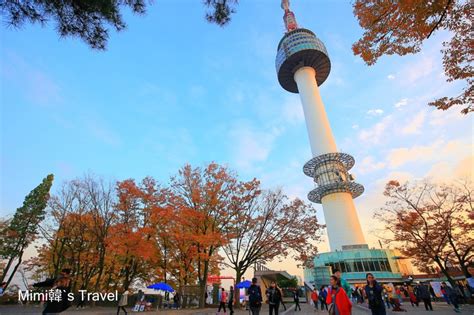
x: 368, y: 165
x: 100, y: 131
x: 374, y: 134
x: 445, y: 171
x: 292, y: 111
x: 375, y: 112
x: 414, y: 125
x: 355, y: 126
x: 419, y: 69
x: 402, y: 102
x: 390, y: 77
x: 401, y: 156
x: 249, y: 145
x: 36, y: 83
x: 450, y: 117
x: 438, y: 151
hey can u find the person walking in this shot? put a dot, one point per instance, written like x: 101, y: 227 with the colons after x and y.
x: 460, y: 290
x: 413, y: 299
x: 61, y: 284
x: 274, y: 298
x: 296, y: 299
x: 322, y: 297
x: 354, y: 295
x: 223, y: 301
x: 452, y: 296
x: 281, y: 293
x: 255, y: 297
x: 424, y: 295
x: 386, y: 297
x: 339, y: 303
x: 342, y: 282
x: 361, y: 296
x: 374, y: 292
x: 432, y: 293
x: 315, y: 298
x: 123, y: 302
x: 230, y: 303
x: 176, y: 301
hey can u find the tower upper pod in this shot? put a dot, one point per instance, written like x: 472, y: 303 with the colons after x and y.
x: 299, y: 48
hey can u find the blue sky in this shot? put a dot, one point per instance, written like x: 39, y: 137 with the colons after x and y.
x: 173, y: 89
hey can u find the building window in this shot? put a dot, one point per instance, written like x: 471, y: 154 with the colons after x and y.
x: 366, y: 265
x: 343, y: 267
x: 371, y: 265
x: 377, y: 265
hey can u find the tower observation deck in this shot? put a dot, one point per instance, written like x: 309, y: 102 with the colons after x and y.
x: 303, y: 64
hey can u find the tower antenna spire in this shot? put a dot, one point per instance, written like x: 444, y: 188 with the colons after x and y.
x: 289, y: 16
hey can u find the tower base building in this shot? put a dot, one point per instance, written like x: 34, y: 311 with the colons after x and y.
x: 387, y: 265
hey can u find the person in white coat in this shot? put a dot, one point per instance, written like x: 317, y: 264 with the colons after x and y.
x: 123, y: 302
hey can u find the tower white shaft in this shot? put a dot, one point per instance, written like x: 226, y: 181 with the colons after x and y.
x: 339, y: 210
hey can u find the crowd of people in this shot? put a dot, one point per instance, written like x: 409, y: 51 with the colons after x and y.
x: 339, y: 296
x: 415, y: 294
x: 336, y: 299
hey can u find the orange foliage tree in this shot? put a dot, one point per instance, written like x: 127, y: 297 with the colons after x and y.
x: 432, y: 224
x: 207, y: 200
x: 134, y: 226
x: 76, y: 235
x: 268, y: 226
x: 400, y: 27
x: 118, y: 235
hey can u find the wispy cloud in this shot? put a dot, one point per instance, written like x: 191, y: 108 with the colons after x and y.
x: 401, y: 103
x: 414, y: 125
x: 292, y: 110
x: 250, y: 145
x: 99, y: 129
x: 420, y: 69
x: 375, y: 112
x: 439, y: 150
x: 37, y: 84
x: 374, y: 134
x: 369, y: 164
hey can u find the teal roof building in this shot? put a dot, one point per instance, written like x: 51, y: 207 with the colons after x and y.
x: 387, y: 265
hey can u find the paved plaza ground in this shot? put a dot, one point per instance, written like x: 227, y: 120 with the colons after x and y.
x: 306, y: 309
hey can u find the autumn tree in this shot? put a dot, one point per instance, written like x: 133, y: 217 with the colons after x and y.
x: 101, y: 197
x: 268, y: 226
x: 207, y: 201
x: 139, y: 211
x: 401, y: 27
x: 22, y: 229
x: 430, y: 223
x: 76, y: 233
x: 90, y: 20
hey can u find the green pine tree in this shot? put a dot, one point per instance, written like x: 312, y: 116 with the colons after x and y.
x: 22, y: 229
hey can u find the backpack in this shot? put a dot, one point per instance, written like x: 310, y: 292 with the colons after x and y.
x: 255, y: 296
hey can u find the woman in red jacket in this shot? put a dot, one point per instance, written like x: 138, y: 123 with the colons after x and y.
x: 339, y: 303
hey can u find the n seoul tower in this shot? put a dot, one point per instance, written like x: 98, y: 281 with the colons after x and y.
x: 303, y: 64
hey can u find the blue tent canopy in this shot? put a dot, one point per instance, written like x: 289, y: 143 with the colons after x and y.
x: 243, y: 284
x: 161, y: 286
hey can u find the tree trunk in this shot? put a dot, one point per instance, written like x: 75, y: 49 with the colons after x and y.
x: 202, y: 293
x: 7, y: 267
x: 444, y: 271
x: 20, y: 257
x: 238, y: 276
